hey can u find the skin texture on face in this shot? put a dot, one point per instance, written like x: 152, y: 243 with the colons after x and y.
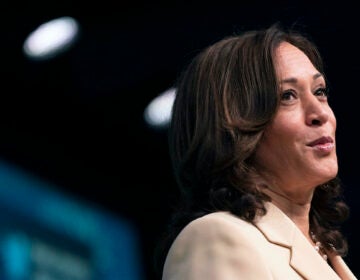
x: 297, y: 152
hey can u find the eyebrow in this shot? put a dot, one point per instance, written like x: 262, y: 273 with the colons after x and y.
x: 294, y: 80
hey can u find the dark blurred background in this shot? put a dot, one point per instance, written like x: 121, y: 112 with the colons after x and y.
x: 77, y: 120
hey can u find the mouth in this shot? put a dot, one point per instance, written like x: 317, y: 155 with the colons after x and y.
x: 323, y: 144
x: 321, y: 141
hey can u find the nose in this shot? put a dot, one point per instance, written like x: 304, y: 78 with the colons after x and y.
x: 317, y: 112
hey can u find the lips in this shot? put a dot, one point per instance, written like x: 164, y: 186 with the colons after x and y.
x: 321, y: 141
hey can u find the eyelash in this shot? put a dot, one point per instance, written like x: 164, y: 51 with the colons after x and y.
x: 322, y: 92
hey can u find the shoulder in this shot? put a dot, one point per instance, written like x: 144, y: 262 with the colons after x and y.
x: 218, y: 222
x: 219, y: 229
x: 217, y: 246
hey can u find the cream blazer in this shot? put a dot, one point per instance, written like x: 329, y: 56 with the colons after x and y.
x: 220, y: 246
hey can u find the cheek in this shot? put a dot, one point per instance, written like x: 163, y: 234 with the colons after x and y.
x: 282, y: 133
x: 278, y: 141
x: 279, y: 136
x: 332, y: 118
x: 333, y: 121
x: 274, y: 142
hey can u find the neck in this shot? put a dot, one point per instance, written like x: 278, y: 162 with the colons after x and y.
x: 297, y: 211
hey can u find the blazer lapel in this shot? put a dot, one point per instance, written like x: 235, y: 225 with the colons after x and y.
x: 281, y: 230
x: 341, y: 268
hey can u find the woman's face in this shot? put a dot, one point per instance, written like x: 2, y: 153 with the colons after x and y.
x: 298, y: 147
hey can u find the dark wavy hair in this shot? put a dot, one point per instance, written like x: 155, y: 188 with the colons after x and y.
x: 225, y: 98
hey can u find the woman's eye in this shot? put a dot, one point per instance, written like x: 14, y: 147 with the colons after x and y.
x: 287, y: 95
x: 322, y: 92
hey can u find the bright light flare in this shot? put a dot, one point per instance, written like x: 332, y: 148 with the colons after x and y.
x: 51, y: 38
x: 158, y: 113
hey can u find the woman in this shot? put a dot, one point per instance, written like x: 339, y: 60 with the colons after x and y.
x: 252, y: 141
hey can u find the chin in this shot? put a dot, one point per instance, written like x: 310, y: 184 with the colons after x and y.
x: 325, y: 174
x: 329, y: 176
x: 329, y: 169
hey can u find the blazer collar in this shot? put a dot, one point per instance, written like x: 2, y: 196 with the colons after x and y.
x: 279, y: 229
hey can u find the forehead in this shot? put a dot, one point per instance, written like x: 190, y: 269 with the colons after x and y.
x: 291, y: 61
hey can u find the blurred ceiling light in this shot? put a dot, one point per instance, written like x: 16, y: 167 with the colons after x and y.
x: 51, y: 38
x: 158, y: 113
